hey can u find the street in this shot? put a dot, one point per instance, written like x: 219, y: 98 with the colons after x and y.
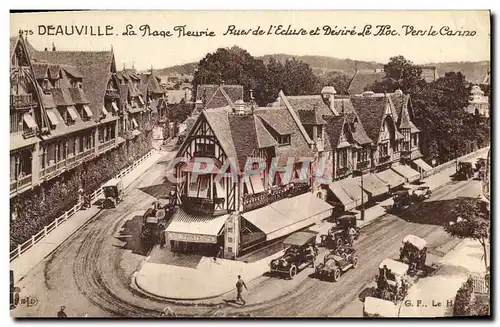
x: 92, y: 271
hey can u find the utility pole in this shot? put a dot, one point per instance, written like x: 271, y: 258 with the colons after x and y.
x: 362, y: 200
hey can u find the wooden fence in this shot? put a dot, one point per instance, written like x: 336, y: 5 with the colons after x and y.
x: 21, y: 248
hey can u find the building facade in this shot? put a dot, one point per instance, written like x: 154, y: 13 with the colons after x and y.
x: 479, y: 104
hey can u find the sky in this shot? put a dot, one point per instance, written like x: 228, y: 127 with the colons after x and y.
x: 148, y: 50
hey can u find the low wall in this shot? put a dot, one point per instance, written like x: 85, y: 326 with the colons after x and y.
x: 451, y: 163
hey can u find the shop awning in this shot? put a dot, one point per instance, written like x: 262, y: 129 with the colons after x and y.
x: 28, y: 119
x: 373, y: 185
x: 87, y: 110
x: 254, y: 184
x: 407, y: 172
x: 352, y: 188
x: 422, y: 165
x: 391, y: 178
x: 342, y: 195
x: 286, y: 216
x: 195, y: 229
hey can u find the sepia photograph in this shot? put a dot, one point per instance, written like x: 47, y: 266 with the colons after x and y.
x: 250, y: 164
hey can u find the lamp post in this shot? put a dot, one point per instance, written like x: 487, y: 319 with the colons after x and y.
x: 362, y: 200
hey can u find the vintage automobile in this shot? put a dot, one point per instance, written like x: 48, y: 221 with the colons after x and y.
x: 155, y: 219
x: 337, y: 262
x: 375, y: 307
x: 113, y: 193
x: 413, y: 253
x: 300, y: 252
x: 402, y: 200
x: 343, y: 231
x: 481, y: 167
x: 465, y: 171
x: 392, y: 283
x: 421, y: 193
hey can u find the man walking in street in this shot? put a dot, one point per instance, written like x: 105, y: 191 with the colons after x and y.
x: 219, y: 254
x: 239, y: 288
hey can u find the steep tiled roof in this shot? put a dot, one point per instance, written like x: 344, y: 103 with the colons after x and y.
x: 264, y: 138
x: 95, y: 66
x: 370, y: 110
x: 54, y: 71
x: 310, y: 117
x: 62, y: 97
x: 206, y: 91
x: 244, y: 137
x: 72, y: 70
x: 333, y: 130
x: 78, y: 96
x: 40, y: 70
x: 343, y: 105
x: 309, y: 103
x: 361, y: 80
x: 48, y: 101
x: 399, y: 100
x: 219, y: 99
x: 13, y: 43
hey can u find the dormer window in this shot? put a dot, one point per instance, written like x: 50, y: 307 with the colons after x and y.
x: 71, y: 116
x: 284, y: 139
x: 54, y: 121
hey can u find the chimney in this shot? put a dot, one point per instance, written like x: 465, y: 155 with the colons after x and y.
x: 239, y: 107
x: 198, y: 105
x: 328, y: 95
x: 53, y: 47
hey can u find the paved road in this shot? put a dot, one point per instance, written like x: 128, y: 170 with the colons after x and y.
x: 312, y: 297
x: 91, y: 272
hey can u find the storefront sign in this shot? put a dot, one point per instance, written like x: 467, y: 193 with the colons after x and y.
x: 193, y: 238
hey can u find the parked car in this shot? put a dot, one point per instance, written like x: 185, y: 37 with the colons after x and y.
x: 392, y: 281
x: 337, y: 262
x: 155, y: 220
x: 113, y: 193
x: 465, y: 171
x: 402, y: 200
x: 300, y: 252
x: 413, y: 253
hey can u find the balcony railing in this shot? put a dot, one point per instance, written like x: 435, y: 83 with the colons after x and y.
x: 342, y: 171
x: 254, y: 201
x: 21, y: 183
x: 202, y: 206
x: 384, y: 159
x: 21, y: 101
x: 106, y: 145
x: 204, y: 154
x: 363, y: 164
x: 66, y: 164
x: 112, y: 94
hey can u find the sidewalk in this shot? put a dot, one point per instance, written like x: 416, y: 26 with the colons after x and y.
x: 48, y: 244
x: 436, y: 293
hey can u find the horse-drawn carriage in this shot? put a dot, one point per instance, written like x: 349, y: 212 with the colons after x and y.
x: 413, y: 252
x: 343, y: 232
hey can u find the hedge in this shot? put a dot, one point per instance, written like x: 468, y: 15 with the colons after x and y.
x: 463, y: 299
x: 41, y: 206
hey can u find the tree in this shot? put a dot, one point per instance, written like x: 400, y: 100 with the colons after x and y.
x: 299, y: 79
x: 339, y: 81
x: 233, y: 66
x: 473, y: 222
x: 400, y: 73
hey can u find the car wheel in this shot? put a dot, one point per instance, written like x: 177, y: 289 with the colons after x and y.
x: 292, y: 272
x: 336, y: 274
x: 355, y: 262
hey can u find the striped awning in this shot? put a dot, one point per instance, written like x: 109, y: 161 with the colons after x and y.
x: 286, y: 216
x: 407, y: 172
x: 52, y: 117
x: 374, y: 185
x: 348, y: 202
x: 28, y: 119
x: 195, y: 229
x: 391, y: 178
x: 422, y: 165
x: 352, y: 188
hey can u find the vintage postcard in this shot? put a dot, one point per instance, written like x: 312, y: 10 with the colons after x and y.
x: 250, y: 164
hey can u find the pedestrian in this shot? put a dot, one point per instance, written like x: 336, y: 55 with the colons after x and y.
x: 162, y: 239
x: 239, y: 288
x: 61, y: 313
x: 220, y: 254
